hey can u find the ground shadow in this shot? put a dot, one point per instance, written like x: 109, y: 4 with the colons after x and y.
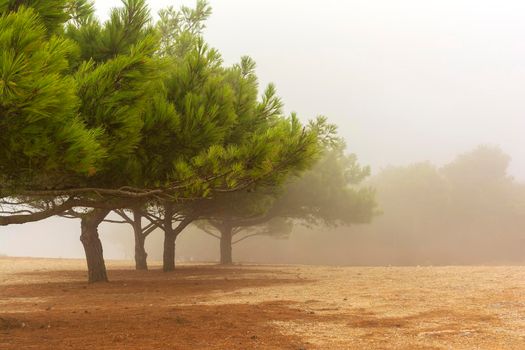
x: 184, y: 281
x: 145, y: 310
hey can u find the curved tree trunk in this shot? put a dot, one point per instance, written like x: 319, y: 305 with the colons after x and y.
x: 93, y: 246
x: 141, y: 257
x: 226, y: 245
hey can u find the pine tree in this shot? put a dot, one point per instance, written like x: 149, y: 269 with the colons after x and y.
x: 104, y: 116
x: 43, y: 141
x: 329, y: 194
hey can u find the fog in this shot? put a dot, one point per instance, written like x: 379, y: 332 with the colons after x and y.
x: 406, y: 81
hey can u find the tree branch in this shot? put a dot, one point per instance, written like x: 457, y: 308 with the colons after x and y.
x: 149, y: 230
x: 116, y: 221
x: 248, y: 236
x: 123, y: 215
x: 183, y: 224
x: 154, y: 221
x: 205, y: 230
x: 24, y: 218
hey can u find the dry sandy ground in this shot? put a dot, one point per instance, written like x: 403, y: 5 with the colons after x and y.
x: 46, y: 304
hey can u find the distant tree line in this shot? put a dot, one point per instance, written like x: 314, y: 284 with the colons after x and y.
x: 469, y: 211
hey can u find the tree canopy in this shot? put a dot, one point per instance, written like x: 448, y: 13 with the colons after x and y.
x: 130, y: 115
x: 130, y: 112
x: 329, y: 194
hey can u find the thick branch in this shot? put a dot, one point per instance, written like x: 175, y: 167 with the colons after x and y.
x: 24, y: 218
x: 149, y: 230
x: 183, y: 224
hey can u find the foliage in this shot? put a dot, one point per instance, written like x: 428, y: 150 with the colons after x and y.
x: 329, y: 194
x: 80, y: 12
x: 115, y: 113
x: 181, y: 30
x: 127, y: 26
x: 52, y: 13
x: 43, y: 141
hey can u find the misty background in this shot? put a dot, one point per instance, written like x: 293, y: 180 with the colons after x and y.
x: 407, y: 82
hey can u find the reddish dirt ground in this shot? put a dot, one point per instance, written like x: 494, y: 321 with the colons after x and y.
x: 46, y: 304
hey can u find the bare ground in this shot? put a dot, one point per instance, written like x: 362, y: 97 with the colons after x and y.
x: 46, y: 304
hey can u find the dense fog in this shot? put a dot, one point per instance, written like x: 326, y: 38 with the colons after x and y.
x: 406, y: 81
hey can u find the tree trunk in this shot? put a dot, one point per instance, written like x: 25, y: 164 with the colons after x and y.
x: 170, y: 236
x: 141, y: 257
x: 93, y: 246
x: 226, y: 245
x: 168, y: 258
x: 168, y: 262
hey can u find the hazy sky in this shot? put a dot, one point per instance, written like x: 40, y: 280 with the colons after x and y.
x: 405, y: 80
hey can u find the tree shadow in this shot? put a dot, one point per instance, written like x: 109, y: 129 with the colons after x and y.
x: 144, y: 309
x: 184, y: 281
